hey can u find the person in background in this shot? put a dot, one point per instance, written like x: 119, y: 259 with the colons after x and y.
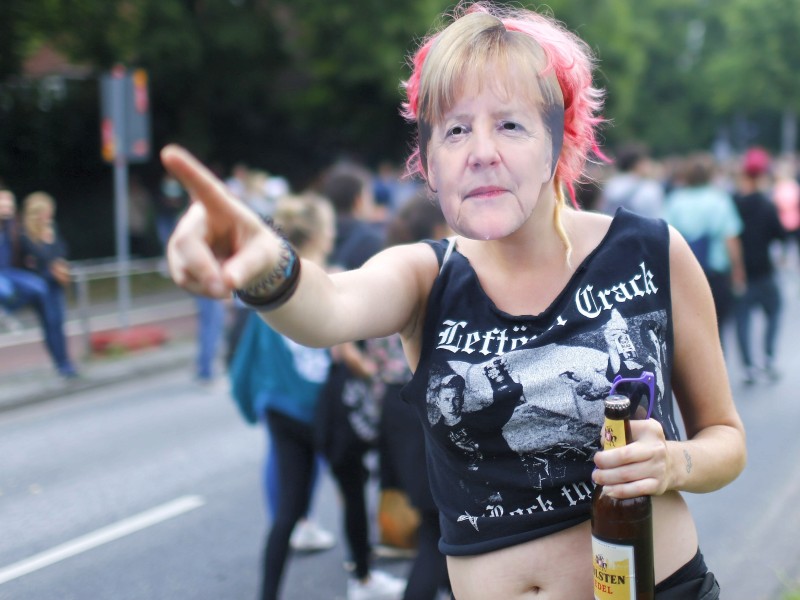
x: 280, y: 381
x: 211, y: 314
x: 401, y: 439
x: 140, y: 218
x: 506, y: 113
x: 307, y: 536
x: 17, y: 287
x: 633, y: 185
x: 762, y: 227
x: 349, y: 414
x: 357, y: 238
x: 171, y: 201
x: 786, y: 197
x: 707, y: 217
x: 43, y: 252
x: 237, y: 181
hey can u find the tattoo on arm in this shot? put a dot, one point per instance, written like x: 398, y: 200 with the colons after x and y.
x: 688, y: 458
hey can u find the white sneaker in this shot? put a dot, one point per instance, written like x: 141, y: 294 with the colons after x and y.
x: 389, y: 551
x: 772, y: 373
x: 379, y: 586
x: 310, y: 537
x: 9, y: 323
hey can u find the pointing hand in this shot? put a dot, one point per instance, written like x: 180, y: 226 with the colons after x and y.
x: 219, y: 244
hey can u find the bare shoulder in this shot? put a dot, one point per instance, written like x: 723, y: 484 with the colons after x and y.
x: 586, y: 229
x: 682, y: 261
x: 417, y: 260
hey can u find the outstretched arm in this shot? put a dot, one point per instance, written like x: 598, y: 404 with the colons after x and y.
x: 219, y: 246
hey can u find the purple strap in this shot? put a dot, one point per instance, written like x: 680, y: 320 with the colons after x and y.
x: 647, y: 378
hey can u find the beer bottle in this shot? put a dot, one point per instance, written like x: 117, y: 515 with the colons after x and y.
x: 622, y: 529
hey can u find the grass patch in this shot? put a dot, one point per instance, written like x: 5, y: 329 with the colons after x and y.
x: 106, y: 289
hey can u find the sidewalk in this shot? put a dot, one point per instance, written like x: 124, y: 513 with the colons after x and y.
x: 27, y: 374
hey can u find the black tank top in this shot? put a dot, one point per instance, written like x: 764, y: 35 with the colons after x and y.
x: 512, y: 405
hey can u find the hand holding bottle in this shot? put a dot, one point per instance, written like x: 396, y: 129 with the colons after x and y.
x: 641, y: 468
x: 622, y: 528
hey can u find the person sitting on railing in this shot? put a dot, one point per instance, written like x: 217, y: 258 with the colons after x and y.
x: 21, y: 287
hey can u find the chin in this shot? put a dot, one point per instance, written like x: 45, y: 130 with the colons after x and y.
x: 485, y: 231
x: 488, y: 222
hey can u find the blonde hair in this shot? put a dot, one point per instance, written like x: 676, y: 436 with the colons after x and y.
x: 514, y: 44
x: 302, y: 218
x: 472, y: 46
x: 32, y: 208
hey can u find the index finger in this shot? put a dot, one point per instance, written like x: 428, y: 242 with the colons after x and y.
x: 198, y: 180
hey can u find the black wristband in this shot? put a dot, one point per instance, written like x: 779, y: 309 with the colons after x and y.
x: 263, y: 295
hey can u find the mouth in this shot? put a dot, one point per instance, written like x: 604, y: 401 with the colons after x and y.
x: 488, y: 191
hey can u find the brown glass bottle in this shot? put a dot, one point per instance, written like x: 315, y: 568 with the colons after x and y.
x: 622, y: 529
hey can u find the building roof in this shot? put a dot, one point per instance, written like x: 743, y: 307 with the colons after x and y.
x: 48, y: 61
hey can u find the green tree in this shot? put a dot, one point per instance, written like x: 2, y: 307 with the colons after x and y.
x: 754, y: 68
x: 610, y: 29
x: 671, y: 96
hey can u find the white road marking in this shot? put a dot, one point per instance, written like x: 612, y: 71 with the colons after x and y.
x: 100, y: 537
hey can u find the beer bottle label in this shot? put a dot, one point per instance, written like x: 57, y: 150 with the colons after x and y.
x: 613, y: 571
x: 613, y: 434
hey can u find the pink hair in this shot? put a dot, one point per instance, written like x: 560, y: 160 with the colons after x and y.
x: 571, y: 60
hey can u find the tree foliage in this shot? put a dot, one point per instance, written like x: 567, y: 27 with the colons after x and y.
x: 755, y: 64
x: 290, y: 85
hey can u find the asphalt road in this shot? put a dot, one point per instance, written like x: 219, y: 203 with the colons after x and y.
x: 750, y: 530
x: 144, y: 490
x: 150, y: 489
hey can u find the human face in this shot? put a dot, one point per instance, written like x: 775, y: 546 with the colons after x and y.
x: 7, y: 208
x: 45, y: 214
x: 490, y: 160
x: 450, y: 404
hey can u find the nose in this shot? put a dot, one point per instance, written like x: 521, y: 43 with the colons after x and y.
x: 483, y: 148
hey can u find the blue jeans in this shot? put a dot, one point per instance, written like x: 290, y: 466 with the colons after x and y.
x: 6, y: 291
x: 47, y: 300
x: 210, y: 325
x: 21, y: 288
x: 763, y: 292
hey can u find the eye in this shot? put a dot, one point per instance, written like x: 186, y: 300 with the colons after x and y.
x: 456, y: 130
x: 510, y: 126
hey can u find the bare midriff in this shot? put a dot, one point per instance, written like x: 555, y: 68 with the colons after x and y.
x: 559, y: 566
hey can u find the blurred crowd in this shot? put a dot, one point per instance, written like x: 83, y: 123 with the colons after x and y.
x: 338, y: 409
x: 330, y: 409
x: 741, y: 217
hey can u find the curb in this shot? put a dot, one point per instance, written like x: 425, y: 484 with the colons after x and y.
x: 40, y: 386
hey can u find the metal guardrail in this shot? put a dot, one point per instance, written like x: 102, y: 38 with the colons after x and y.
x: 86, y: 271
x: 88, y: 312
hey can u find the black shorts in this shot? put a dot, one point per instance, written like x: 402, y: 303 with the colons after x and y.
x: 693, y: 581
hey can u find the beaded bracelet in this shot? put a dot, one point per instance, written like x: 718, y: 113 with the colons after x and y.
x: 277, y: 286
